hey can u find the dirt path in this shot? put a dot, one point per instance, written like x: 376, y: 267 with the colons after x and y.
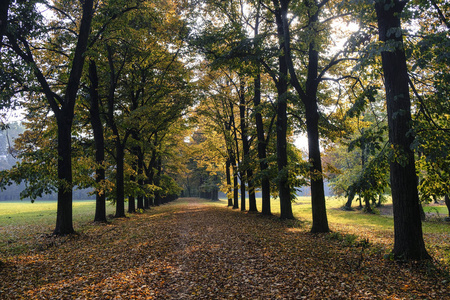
x: 196, y: 251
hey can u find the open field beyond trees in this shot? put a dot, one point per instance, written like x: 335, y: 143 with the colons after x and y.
x: 196, y: 249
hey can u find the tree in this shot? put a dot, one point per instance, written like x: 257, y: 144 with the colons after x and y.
x: 308, y: 96
x: 99, y: 141
x: 62, y: 104
x: 429, y: 76
x: 408, y: 241
x: 142, y: 77
x: 219, y: 106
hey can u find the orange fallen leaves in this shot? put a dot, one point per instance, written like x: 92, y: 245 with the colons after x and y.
x: 200, y: 252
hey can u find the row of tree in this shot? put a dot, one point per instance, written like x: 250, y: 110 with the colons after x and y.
x: 277, y: 67
x: 104, y: 86
x: 109, y: 85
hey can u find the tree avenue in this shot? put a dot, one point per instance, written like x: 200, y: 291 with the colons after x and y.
x: 144, y: 101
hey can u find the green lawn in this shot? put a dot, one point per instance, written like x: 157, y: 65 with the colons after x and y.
x: 44, y: 212
x: 21, y: 222
x: 336, y: 217
x: 441, y: 210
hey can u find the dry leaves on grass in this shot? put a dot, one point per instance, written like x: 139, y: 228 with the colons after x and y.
x: 197, y: 251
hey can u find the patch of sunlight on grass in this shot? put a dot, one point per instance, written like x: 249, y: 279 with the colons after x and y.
x: 440, y: 209
x: 336, y: 217
x: 44, y: 212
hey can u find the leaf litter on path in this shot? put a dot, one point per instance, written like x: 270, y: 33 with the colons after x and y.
x: 198, y: 251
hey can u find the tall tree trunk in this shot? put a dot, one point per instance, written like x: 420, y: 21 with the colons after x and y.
x: 350, y: 197
x: 262, y: 155
x: 262, y: 143
x: 251, y: 192
x: 284, y: 190
x: 64, y: 118
x: 235, y: 186
x: 246, y: 150
x: 131, y: 198
x: 447, y: 203
x: 229, y: 188
x: 120, y: 196
x: 119, y: 145
x: 319, y: 211
x: 408, y: 237
x: 157, y: 200
x: 140, y: 202
x: 99, y: 141
x: 140, y: 197
x: 64, y: 206
x: 242, y: 172
x: 367, y: 206
x: 131, y: 204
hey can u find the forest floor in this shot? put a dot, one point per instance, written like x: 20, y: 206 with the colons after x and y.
x: 190, y: 249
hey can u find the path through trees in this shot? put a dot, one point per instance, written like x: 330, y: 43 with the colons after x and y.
x: 190, y: 249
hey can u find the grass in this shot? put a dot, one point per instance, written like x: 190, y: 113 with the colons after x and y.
x: 302, y: 210
x: 437, y: 209
x: 26, y: 213
x: 21, y: 222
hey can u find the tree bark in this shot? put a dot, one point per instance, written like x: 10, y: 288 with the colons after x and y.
x: 131, y: 198
x: 131, y: 205
x: 99, y: 141
x: 157, y: 200
x: 262, y: 154
x: 367, y: 206
x: 447, y: 203
x: 228, y: 174
x: 408, y: 237
x: 64, y: 118
x: 284, y: 189
x: 319, y: 211
x: 242, y: 186
x: 64, y: 207
x: 246, y: 150
x: 235, y: 186
x: 118, y: 142
x: 120, y: 195
x: 350, y: 197
x: 262, y: 143
x: 140, y: 165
